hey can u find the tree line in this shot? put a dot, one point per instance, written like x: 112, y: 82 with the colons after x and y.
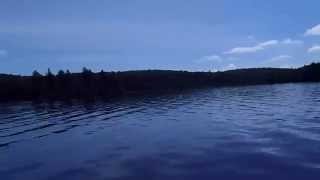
x: 87, y: 84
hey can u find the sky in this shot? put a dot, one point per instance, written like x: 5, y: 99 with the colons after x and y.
x: 194, y: 35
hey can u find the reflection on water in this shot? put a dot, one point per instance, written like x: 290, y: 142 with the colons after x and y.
x: 254, y: 132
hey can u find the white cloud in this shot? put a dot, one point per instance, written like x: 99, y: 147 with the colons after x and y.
x: 232, y: 58
x: 3, y: 52
x: 286, y: 66
x: 253, y: 49
x: 268, y: 43
x: 314, y: 31
x: 230, y: 67
x: 212, y: 58
x: 242, y: 50
x: 263, y: 46
x: 279, y: 58
x: 289, y: 41
x: 314, y: 49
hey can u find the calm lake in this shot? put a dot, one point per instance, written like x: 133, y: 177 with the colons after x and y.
x: 252, y: 132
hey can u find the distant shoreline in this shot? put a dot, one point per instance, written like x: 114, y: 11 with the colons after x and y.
x: 105, y: 85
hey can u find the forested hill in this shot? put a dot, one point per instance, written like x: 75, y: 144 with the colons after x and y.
x: 66, y: 85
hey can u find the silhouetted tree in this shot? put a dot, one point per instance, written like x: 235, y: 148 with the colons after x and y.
x: 36, y: 74
x: 50, y: 83
x: 49, y: 73
x: 36, y: 84
x: 87, y: 82
x: 60, y: 73
x: 111, y: 84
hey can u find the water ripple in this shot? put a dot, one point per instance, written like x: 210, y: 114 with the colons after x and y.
x: 252, y: 132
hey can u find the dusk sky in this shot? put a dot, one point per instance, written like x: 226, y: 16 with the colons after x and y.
x: 195, y: 35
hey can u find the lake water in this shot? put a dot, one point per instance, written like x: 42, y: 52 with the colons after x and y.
x: 252, y: 132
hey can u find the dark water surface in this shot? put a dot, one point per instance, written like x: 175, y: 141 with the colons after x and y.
x: 254, y: 132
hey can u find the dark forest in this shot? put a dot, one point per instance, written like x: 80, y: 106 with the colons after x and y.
x: 90, y: 85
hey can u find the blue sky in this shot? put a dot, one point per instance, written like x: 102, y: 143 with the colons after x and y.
x: 196, y: 35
